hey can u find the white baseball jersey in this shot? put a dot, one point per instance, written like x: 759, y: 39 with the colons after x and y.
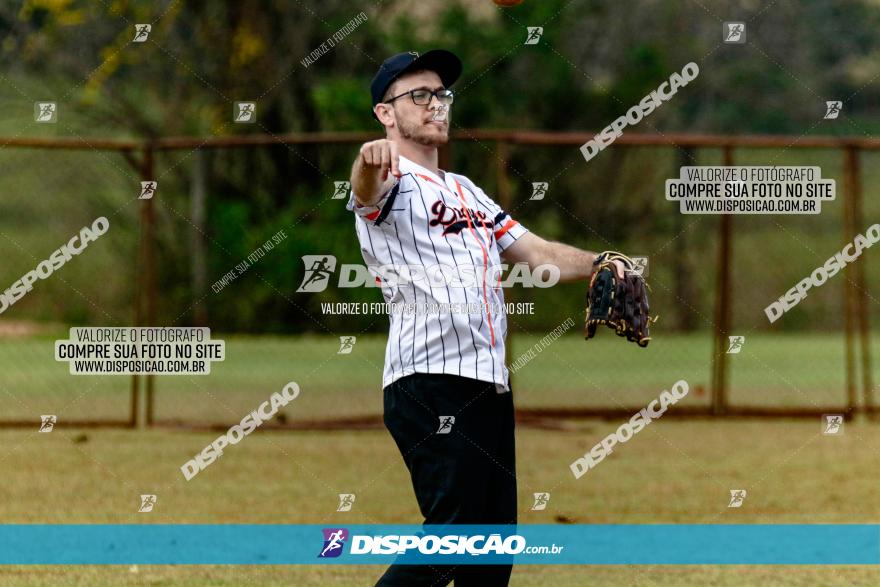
x: 427, y: 220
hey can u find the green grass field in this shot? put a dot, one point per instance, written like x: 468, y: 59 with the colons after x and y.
x: 771, y: 370
x: 673, y: 472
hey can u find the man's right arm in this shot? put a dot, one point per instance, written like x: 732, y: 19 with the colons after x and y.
x: 374, y: 171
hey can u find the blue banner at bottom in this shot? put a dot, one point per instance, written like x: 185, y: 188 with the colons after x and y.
x: 577, y: 544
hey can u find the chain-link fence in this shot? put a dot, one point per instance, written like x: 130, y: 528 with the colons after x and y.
x: 197, y: 253
x: 61, y: 269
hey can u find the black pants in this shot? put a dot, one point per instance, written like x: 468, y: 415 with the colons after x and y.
x: 464, y: 476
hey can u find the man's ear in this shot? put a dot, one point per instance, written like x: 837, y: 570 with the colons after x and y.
x: 384, y: 114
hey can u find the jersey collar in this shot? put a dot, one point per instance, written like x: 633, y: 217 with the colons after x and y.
x: 413, y: 167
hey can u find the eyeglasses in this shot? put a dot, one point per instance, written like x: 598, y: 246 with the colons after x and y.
x: 422, y: 97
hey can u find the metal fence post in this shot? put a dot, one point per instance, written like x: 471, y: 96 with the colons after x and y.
x: 148, y: 270
x: 863, y: 305
x: 722, y: 307
x: 685, y: 319
x: 134, y: 420
x: 859, y: 304
x: 199, y: 257
x: 850, y: 174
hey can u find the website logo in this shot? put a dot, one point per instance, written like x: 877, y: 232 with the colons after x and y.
x: 735, y: 32
x: 346, y: 345
x: 346, y: 501
x: 46, y: 112
x: 832, y: 109
x: 533, y: 34
x: 539, y: 190
x: 446, y: 423
x: 147, y: 503
x: 148, y: 189
x: 141, y: 32
x: 640, y: 266
x: 340, y: 190
x: 334, y: 541
x: 736, y: 344
x: 541, y: 501
x: 319, y: 268
x: 47, y: 422
x: 245, y: 112
x: 833, y: 424
x: 737, y: 497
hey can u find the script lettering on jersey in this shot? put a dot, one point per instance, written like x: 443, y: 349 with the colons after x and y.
x: 454, y: 220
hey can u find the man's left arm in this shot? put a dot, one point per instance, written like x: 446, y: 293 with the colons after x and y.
x: 573, y: 263
x: 516, y: 244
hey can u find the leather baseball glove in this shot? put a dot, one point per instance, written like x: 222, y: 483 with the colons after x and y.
x: 619, y: 303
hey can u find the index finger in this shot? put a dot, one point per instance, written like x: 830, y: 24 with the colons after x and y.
x: 395, y: 159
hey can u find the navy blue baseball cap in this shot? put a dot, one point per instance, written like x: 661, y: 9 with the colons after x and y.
x: 444, y: 63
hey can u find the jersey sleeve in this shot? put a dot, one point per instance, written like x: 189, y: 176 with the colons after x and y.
x: 507, y: 230
x: 381, y: 210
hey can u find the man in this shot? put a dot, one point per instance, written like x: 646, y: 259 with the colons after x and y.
x: 447, y: 398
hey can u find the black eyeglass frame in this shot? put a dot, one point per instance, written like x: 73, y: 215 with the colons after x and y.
x: 431, y: 93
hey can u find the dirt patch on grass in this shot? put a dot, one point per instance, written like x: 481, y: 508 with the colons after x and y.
x: 20, y: 328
